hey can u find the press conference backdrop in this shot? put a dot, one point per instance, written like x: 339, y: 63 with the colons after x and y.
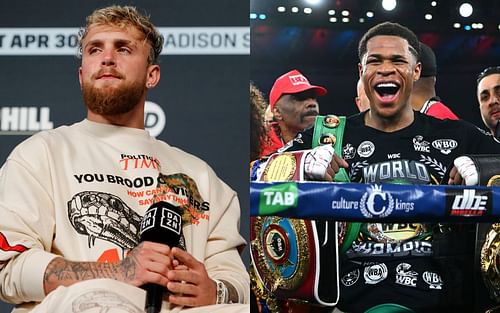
x: 200, y: 104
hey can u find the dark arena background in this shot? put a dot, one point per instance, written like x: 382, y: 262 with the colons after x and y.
x: 200, y: 104
x: 320, y: 38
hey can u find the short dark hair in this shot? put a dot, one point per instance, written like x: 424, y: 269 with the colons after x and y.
x: 428, y: 60
x: 390, y: 29
x: 488, y: 71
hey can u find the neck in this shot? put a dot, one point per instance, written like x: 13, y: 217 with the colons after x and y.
x: 285, y: 133
x: 417, y: 101
x: 392, y: 123
x: 133, y: 118
x: 422, y: 91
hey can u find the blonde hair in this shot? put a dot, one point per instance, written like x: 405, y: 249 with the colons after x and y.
x: 122, y: 17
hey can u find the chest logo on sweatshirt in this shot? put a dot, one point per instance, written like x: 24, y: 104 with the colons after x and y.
x: 104, y: 216
x: 188, y: 197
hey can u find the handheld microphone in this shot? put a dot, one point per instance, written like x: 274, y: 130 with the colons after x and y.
x: 162, y: 223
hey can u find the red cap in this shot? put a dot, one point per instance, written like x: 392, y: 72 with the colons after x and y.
x: 292, y: 82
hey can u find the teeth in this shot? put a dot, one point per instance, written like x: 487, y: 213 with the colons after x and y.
x: 387, y: 85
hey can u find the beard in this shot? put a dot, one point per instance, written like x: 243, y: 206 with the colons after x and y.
x: 112, y: 100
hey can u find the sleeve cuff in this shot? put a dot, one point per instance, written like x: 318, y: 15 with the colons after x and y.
x: 32, y: 273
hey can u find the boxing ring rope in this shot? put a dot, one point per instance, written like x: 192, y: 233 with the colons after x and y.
x: 375, y: 202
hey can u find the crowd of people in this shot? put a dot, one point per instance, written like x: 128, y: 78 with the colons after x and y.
x: 387, y: 266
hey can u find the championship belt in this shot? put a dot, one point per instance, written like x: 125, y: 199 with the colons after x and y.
x: 488, y: 168
x: 294, y: 259
x: 490, y: 261
x: 286, y: 166
x: 329, y: 129
x: 287, y: 256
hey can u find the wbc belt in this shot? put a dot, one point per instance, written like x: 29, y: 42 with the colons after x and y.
x: 329, y: 129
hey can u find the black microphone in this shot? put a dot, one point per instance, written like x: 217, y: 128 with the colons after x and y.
x: 161, y: 223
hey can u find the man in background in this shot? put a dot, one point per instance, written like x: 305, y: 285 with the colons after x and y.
x: 423, y: 97
x: 361, y: 99
x: 488, y: 96
x: 293, y: 103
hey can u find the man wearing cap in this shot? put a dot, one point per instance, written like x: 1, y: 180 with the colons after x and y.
x: 488, y: 96
x: 293, y: 103
x: 423, y: 97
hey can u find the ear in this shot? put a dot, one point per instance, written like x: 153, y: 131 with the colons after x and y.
x: 357, y: 100
x: 80, y: 77
x: 277, y: 113
x: 153, y: 76
x: 360, y: 70
x: 417, y: 71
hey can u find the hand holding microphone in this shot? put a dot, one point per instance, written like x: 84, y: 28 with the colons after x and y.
x: 162, y: 223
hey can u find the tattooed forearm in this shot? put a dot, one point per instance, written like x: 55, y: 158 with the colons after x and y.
x: 61, y: 272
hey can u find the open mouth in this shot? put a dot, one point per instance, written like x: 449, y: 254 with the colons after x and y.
x: 387, y: 91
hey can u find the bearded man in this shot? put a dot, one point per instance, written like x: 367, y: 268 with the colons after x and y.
x: 71, y: 213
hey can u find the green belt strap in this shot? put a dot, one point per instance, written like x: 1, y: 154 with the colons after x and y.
x: 329, y: 129
x: 389, y: 308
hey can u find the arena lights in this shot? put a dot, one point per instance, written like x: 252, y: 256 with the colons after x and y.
x: 313, y: 2
x: 477, y: 25
x: 389, y: 5
x: 261, y: 16
x: 465, y: 9
x: 339, y: 13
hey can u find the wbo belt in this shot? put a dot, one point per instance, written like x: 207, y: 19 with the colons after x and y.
x: 329, y: 130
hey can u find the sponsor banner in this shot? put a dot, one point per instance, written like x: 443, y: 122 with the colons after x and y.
x: 28, y: 120
x: 370, y: 202
x: 178, y: 41
x: 24, y: 120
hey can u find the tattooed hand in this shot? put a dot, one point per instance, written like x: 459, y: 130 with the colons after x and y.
x: 149, y: 262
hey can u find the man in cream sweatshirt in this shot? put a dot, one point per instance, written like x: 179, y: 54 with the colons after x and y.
x: 72, y: 198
